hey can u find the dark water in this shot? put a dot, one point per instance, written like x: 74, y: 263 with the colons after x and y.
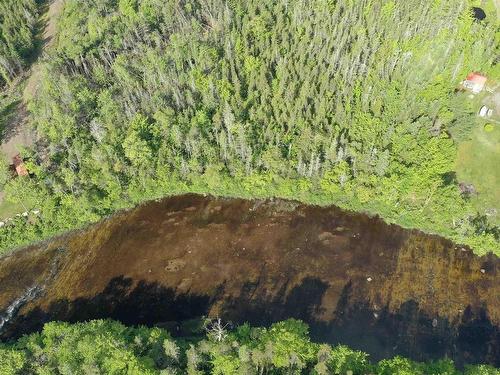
x: 478, y: 13
x: 354, y: 279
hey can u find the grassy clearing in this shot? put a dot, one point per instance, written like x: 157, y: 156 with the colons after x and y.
x: 8, y: 209
x: 478, y: 163
x: 8, y: 105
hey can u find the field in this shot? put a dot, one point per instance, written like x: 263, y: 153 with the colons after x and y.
x: 8, y: 209
x: 478, y: 164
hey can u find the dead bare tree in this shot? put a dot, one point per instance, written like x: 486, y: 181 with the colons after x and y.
x: 217, y: 330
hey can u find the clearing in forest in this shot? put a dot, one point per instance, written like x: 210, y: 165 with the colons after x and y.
x: 477, y: 164
x: 15, y: 132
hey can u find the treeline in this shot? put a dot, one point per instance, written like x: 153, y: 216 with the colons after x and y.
x: 18, y: 26
x: 345, y: 102
x: 108, y: 347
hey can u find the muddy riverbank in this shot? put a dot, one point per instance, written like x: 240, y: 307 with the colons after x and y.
x: 354, y: 279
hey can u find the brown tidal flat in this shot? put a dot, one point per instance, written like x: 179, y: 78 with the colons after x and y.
x: 354, y: 279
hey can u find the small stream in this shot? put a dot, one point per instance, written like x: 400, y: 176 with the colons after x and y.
x: 29, y: 294
x: 354, y: 279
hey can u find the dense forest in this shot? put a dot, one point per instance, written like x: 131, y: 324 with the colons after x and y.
x: 344, y: 102
x: 18, y: 21
x: 107, y: 347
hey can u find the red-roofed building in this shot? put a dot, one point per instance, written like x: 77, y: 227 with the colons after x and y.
x: 19, y: 166
x: 475, y: 82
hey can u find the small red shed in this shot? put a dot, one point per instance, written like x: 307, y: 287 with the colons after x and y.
x: 19, y: 166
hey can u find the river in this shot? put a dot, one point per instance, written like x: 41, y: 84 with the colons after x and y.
x: 355, y: 279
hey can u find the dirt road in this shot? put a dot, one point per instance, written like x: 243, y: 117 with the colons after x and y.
x: 17, y: 133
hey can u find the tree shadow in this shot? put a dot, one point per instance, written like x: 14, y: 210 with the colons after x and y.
x: 7, y: 114
x: 408, y: 331
x: 144, y: 303
x: 42, y: 23
x: 411, y: 332
x: 302, y: 302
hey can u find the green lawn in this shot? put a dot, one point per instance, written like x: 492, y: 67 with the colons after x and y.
x: 8, y: 209
x: 478, y: 163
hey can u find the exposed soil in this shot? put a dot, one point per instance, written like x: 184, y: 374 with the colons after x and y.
x: 55, y: 9
x: 17, y: 133
x: 49, y: 32
x: 355, y: 279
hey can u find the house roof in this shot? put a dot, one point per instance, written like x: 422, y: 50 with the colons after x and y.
x: 19, y: 166
x: 16, y: 160
x: 476, y: 78
x: 475, y: 82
